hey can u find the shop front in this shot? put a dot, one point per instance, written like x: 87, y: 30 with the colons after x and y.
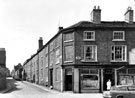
x: 126, y: 76
x: 90, y: 80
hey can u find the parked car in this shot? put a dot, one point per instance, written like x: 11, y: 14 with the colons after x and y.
x: 120, y: 91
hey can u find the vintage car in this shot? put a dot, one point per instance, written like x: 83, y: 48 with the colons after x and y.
x: 120, y: 91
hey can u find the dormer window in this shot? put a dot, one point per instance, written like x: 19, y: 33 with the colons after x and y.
x: 118, y: 36
x: 89, y: 35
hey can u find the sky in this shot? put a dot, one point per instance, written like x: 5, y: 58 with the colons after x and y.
x: 22, y: 22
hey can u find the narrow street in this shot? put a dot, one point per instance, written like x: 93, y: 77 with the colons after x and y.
x: 22, y: 89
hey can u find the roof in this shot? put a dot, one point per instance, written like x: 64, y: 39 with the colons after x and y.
x: 103, y: 24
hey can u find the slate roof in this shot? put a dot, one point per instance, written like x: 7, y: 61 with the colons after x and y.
x: 103, y: 24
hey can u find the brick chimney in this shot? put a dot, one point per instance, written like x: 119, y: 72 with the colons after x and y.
x: 129, y: 15
x: 60, y: 28
x: 96, y: 15
x: 40, y: 43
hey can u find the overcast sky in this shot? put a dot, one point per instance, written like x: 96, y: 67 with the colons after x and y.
x: 22, y: 22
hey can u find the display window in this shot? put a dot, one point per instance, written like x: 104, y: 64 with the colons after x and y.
x: 90, y: 79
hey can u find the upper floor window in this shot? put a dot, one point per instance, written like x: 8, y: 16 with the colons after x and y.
x: 68, y: 37
x: 119, y: 53
x: 89, y: 35
x: 90, y: 53
x: 118, y: 36
x: 57, y: 53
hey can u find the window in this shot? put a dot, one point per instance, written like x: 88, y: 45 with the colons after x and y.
x: 68, y: 37
x: 51, y: 58
x: 90, y: 79
x: 69, y: 53
x: 57, y: 74
x: 57, y: 59
x: 46, y: 60
x: 90, y: 53
x: 119, y: 53
x: 118, y: 36
x: 89, y: 35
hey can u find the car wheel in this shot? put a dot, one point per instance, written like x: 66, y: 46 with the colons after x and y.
x: 120, y: 97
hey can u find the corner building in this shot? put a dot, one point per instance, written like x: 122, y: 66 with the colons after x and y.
x: 84, y: 56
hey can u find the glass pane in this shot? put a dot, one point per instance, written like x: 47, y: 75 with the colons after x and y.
x: 93, y: 71
x: 85, y: 71
x: 90, y: 82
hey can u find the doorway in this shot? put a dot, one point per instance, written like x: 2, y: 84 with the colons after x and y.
x: 68, y: 80
x: 108, y: 75
x: 51, y: 77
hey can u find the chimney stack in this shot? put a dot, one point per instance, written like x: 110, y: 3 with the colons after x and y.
x: 60, y: 28
x: 96, y: 15
x: 40, y: 43
x: 129, y: 15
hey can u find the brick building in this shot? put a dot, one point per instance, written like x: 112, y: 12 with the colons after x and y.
x: 84, y: 56
x: 2, y: 68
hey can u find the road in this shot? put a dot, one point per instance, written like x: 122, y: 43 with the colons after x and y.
x: 22, y: 89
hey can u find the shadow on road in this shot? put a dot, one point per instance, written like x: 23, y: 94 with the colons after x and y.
x: 13, y: 85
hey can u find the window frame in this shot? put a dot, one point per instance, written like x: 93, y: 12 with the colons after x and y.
x: 123, y: 33
x: 69, y: 40
x: 85, y: 36
x: 94, y: 53
x: 113, y: 52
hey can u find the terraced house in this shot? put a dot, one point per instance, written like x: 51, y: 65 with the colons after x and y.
x: 83, y: 57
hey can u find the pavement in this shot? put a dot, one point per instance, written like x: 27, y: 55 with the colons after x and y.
x: 58, y: 93
x: 68, y: 93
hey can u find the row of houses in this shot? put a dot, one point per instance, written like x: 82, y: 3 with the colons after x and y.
x: 84, y: 56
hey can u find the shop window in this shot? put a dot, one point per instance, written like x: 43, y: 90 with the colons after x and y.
x: 90, y: 79
x: 85, y: 71
x: 90, y: 82
x: 127, y: 79
x: 122, y: 71
x: 131, y: 71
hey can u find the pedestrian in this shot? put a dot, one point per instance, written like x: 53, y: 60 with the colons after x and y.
x: 108, y: 85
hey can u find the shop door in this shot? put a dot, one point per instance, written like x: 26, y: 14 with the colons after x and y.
x: 108, y: 75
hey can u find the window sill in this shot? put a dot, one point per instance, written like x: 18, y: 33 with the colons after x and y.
x: 68, y: 61
x: 89, y: 40
x: 118, y: 61
x: 68, y: 41
x: 89, y: 61
x: 118, y: 40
